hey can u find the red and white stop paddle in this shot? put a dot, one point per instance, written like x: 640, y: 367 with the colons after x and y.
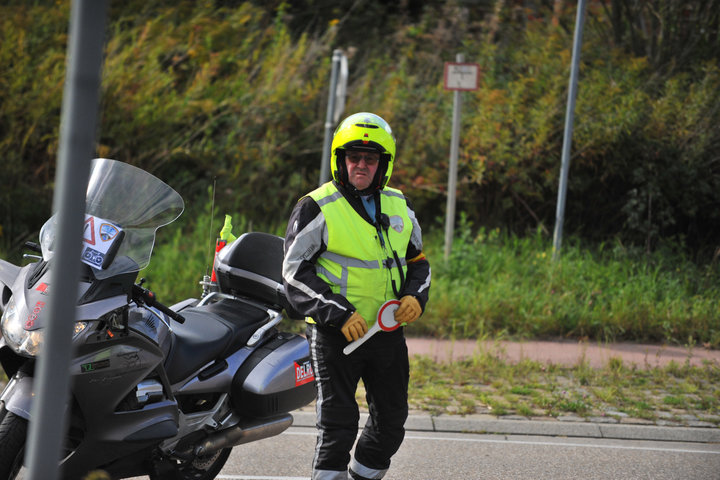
x: 385, y: 322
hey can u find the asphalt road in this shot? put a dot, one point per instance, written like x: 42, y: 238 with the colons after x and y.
x: 457, y: 456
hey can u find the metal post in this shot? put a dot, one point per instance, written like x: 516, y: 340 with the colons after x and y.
x: 569, y: 117
x: 341, y: 88
x: 77, y: 138
x: 452, y: 174
x: 327, y: 140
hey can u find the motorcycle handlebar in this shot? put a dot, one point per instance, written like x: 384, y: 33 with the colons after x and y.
x: 35, y: 247
x: 148, y: 297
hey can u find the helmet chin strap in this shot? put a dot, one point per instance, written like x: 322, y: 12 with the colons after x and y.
x: 342, y: 168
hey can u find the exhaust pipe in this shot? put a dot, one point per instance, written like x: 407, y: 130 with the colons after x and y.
x: 244, y: 433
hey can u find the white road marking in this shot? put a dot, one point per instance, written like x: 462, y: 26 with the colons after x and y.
x: 538, y: 443
x: 567, y: 444
x: 252, y: 477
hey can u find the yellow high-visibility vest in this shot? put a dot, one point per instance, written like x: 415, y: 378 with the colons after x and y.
x: 355, y: 264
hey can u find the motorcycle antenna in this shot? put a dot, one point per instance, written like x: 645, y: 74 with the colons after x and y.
x: 212, y: 217
x: 207, y: 283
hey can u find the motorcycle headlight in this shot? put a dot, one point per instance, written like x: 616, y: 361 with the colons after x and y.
x: 25, y: 342
x: 19, y: 339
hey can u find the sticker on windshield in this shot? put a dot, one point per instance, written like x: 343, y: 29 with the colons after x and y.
x: 99, y: 238
x: 108, y: 231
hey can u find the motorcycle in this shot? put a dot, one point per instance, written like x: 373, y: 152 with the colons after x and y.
x: 155, y: 390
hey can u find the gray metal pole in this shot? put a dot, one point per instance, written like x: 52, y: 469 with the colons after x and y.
x: 452, y: 174
x: 77, y: 137
x: 327, y: 140
x: 567, y: 141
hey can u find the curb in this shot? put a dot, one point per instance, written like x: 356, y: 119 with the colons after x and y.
x: 487, y: 424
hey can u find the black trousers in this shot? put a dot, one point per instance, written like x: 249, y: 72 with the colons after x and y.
x: 382, y: 364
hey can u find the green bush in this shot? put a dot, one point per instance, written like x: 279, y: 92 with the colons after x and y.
x: 234, y: 93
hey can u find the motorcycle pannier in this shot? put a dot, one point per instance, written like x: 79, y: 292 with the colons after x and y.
x: 276, y: 378
x: 251, y: 267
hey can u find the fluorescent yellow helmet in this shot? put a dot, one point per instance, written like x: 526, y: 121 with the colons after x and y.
x: 363, y: 131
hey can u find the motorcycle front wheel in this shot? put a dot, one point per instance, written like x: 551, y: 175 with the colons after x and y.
x: 201, y: 468
x: 13, y: 432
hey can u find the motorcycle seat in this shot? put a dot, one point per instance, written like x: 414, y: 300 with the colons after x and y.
x: 209, y: 333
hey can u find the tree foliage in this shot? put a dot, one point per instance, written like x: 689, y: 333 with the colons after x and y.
x: 234, y: 93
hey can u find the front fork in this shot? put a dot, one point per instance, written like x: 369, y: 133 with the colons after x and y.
x: 17, y: 396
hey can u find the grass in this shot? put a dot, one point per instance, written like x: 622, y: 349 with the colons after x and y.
x: 485, y: 384
x: 534, y: 390
x: 606, y: 292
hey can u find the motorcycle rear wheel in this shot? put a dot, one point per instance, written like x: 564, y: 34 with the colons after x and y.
x: 202, y: 468
x: 13, y: 432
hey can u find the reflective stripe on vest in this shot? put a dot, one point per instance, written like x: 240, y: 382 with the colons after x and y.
x: 355, y: 264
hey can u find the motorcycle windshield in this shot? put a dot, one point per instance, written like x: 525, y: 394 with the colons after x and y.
x: 131, y: 199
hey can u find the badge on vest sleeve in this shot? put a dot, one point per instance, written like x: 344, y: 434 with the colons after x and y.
x: 397, y: 224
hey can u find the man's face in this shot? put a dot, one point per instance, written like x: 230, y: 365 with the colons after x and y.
x: 361, y: 167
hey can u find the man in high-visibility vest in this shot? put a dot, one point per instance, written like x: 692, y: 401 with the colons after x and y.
x: 351, y: 245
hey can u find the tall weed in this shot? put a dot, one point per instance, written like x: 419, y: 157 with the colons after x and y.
x: 496, y: 283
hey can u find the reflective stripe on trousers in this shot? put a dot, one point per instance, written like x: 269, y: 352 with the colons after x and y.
x: 366, y: 472
x: 329, y: 475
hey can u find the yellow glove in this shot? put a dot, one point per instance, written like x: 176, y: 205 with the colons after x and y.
x: 355, y: 327
x: 408, y: 311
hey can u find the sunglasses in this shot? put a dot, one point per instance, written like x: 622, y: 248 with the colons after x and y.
x: 371, y: 158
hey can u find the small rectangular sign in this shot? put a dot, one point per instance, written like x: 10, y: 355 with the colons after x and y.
x: 461, y: 76
x: 98, y: 237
